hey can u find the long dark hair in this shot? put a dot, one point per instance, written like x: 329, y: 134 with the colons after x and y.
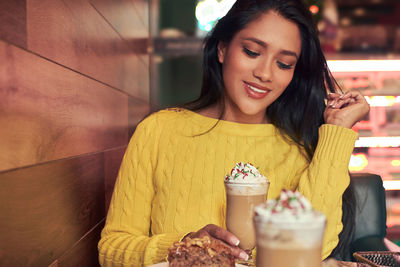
x: 298, y: 112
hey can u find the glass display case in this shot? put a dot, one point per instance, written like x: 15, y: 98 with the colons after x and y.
x: 378, y: 147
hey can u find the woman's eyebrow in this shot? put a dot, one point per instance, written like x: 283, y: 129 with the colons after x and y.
x: 289, y: 53
x: 263, y: 44
x: 255, y: 40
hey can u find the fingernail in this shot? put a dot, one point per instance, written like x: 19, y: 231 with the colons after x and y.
x: 235, y: 241
x: 341, y: 96
x: 243, y: 256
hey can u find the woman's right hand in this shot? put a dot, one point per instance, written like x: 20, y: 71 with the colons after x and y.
x: 346, y: 109
x: 215, y: 232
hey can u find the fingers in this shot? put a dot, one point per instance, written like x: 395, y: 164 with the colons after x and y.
x: 336, y: 100
x: 347, y: 109
x: 239, y: 253
x: 221, y: 233
x: 332, y: 96
x: 357, y: 96
x: 332, y: 99
x: 229, y: 238
x: 340, y: 103
x: 357, y: 99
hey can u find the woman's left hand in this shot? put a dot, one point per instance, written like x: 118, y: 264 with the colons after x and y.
x: 347, y: 109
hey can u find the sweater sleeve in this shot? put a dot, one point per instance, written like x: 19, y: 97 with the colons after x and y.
x: 125, y: 239
x: 327, y: 177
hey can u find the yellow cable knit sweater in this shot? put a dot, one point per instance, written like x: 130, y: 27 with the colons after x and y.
x: 171, y: 180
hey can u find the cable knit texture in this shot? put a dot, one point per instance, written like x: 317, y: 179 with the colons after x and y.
x: 171, y: 180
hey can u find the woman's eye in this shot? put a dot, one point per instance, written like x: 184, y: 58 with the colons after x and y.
x: 250, y: 53
x: 284, y: 66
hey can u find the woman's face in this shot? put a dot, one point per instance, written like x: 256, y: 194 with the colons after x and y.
x: 257, y: 66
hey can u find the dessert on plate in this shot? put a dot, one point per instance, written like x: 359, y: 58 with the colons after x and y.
x: 199, y: 252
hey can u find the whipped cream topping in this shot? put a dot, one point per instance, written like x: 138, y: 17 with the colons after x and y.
x: 290, y: 207
x: 244, y: 173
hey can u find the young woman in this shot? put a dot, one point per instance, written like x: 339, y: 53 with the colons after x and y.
x: 264, y: 100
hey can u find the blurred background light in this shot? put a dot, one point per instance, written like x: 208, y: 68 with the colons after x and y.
x: 314, y: 9
x: 384, y: 141
x: 382, y: 101
x: 395, y: 163
x: 208, y: 12
x: 391, y: 185
x: 358, y: 162
x: 363, y: 65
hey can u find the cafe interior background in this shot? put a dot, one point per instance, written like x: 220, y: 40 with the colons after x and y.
x: 77, y: 76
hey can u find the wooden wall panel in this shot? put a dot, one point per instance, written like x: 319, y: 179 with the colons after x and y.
x: 74, y: 83
x: 142, y: 9
x: 48, y: 208
x: 74, y: 34
x: 137, y: 111
x: 112, y: 162
x: 84, y: 253
x: 142, y: 76
x: 124, y: 17
x: 13, y: 22
x: 48, y: 112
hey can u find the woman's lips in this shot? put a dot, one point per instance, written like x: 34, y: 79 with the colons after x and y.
x: 254, y: 91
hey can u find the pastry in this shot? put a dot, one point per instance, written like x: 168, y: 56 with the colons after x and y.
x: 199, y: 252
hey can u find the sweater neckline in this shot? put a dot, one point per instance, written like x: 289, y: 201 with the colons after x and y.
x: 229, y: 127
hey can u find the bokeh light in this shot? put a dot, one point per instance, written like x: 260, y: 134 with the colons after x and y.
x: 314, y: 9
x: 208, y: 12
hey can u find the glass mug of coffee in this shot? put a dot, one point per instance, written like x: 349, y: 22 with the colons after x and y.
x: 243, y: 193
x: 285, y: 240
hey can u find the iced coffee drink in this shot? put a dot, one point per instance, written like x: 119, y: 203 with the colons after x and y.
x: 289, y: 232
x: 245, y: 188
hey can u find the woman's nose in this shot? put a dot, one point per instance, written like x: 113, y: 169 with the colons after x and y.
x: 263, y: 71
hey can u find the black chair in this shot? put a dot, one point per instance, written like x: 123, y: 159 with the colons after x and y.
x: 370, y: 213
x: 369, y: 229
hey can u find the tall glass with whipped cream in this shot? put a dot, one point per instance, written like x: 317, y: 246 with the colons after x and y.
x: 245, y: 189
x: 289, y: 232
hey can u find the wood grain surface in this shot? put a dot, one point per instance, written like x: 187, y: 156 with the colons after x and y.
x: 125, y: 16
x: 74, y: 34
x: 13, y: 22
x: 48, y: 208
x: 48, y: 112
x: 142, y: 78
x: 112, y: 162
x: 137, y: 110
x: 74, y: 83
x: 142, y: 9
x: 83, y: 253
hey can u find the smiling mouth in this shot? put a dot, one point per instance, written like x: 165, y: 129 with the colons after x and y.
x: 255, y: 91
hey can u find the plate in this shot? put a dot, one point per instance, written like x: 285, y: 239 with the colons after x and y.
x: 165, y: 264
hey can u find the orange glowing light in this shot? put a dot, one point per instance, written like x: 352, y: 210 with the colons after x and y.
x: 396, y: 208
x: 314, y: 9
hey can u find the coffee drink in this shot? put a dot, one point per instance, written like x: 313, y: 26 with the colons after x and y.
x: 245, y: 189
x: 288, y: 232
x: 240, y: 211
x: 274, y: 250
